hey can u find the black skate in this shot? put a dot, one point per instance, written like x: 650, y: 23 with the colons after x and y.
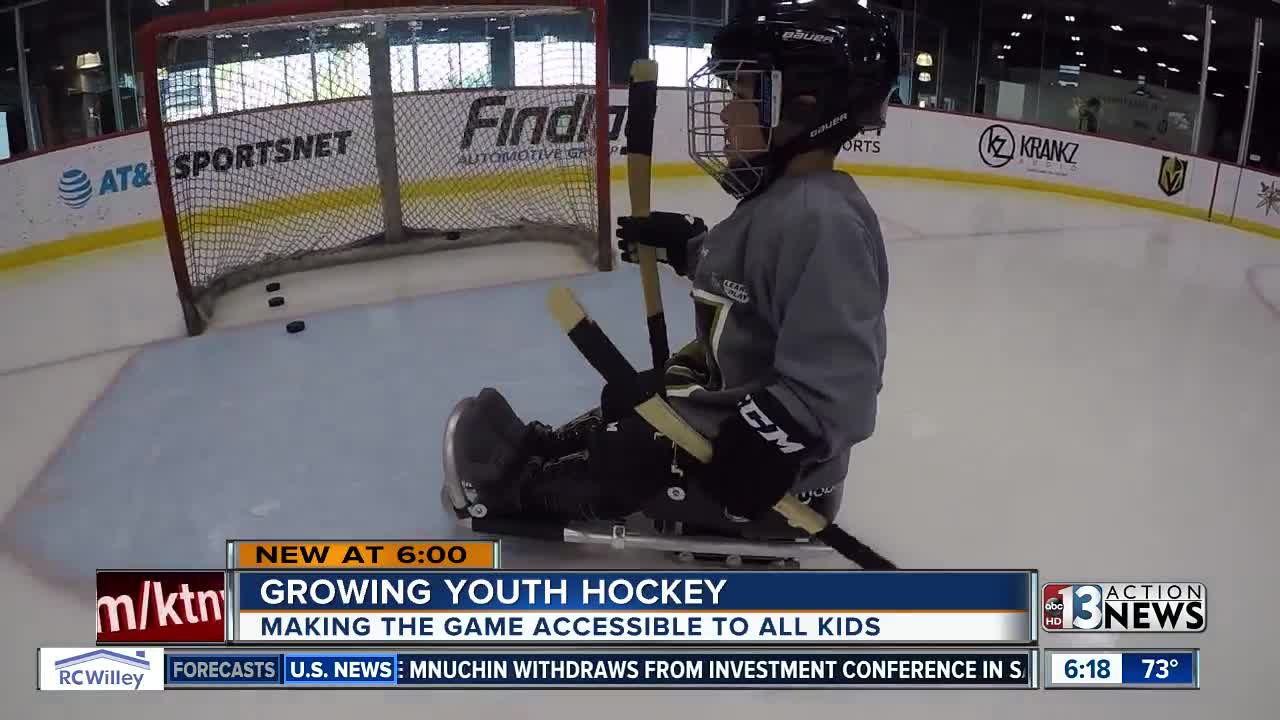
x: 484, y: 453
x: 497, y: 466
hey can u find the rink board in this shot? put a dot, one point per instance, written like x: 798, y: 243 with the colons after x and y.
x: 331, y: 433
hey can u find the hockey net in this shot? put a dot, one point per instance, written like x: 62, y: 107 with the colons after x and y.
x: 303, y: 134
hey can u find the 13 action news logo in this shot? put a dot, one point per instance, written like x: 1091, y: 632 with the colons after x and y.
x: 100, y: 669
x: 1123, y: 607
x: 998, y: 146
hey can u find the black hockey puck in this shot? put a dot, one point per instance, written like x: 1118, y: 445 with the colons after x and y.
x: 296, y: 326
x: 273, y: 286
x: 276, y: 301
x: 452, y: 235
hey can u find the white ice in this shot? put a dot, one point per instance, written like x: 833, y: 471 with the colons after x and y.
x: 1100, y: 383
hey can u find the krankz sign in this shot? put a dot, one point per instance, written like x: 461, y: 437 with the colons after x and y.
x: 999, y: 146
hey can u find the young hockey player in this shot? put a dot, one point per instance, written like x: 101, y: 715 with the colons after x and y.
x: 789, y: 294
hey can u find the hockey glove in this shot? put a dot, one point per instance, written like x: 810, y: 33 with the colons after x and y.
x: 620, y: 401
x: 756, y: 457
x: 668, y: 233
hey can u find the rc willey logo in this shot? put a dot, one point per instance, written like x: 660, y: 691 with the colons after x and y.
x: 101, y: 669
x: 998, y: 146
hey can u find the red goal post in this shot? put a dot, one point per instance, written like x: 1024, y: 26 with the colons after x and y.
x: 360, y: 145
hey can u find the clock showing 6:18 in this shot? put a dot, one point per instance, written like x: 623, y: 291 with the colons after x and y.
x: 1123, y: 668
x: 1095, y: 668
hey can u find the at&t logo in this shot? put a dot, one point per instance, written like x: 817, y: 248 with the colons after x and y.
x: 76, y: 188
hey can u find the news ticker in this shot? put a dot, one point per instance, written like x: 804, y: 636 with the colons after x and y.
x: 989, y: 668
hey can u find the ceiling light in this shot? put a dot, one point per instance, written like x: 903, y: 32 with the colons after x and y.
x: 349, y: 26
x: 1190, y: 37
x: 88, y: 61
x: 1160, y: 64
x: 1069, y: 18
x: 999, y: 57
x: 1117, y: 28
x: 924, y: 59
x: 1079, y: 53
x: 1142, y: 48
x: 1213, y: 69
x: 1219, y: 95
x: 1174, y: 69
x: 924, y: 77
x: 1015, y: 33
x: 1026, y: 16
x: 1084, y: 64
x: 1075, y: 38
x: 1008, y: 47
x: 1118, y: 71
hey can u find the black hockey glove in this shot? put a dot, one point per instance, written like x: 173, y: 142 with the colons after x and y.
x: 617, y: 402
x: 668, y: 233
x: 757, y: 456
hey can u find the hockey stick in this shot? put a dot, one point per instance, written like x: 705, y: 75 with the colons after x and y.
x: 642, y: 108
x: 609, y: 361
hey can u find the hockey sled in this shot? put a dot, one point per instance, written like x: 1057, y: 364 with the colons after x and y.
x: 682, y: 522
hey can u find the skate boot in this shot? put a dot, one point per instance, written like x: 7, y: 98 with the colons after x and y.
x: 484, y: 455
x: 491, y: 468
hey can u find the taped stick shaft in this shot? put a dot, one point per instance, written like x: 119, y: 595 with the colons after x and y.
x: 642, y: 109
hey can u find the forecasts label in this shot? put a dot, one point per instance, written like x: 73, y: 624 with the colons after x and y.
x: 1172, y: 669
x: 985, y: 668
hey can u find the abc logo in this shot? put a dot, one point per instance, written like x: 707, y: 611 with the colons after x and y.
x: 1053, y: 613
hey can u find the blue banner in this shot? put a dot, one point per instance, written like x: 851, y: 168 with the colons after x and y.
x: 745, y: 591
x: 1010, y: 669
x: 1159, y: 668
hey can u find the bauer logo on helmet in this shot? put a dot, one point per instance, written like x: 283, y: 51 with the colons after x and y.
x: 821, y: 38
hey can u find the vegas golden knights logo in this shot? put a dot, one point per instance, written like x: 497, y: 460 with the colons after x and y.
x: 1173, y: 175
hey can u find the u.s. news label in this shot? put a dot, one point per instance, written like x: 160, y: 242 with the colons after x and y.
x: 1115, y: 607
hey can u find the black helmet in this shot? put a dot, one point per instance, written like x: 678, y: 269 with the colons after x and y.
x: 840, y: 54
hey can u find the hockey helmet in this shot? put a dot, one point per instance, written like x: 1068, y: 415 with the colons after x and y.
x: 839, y: 55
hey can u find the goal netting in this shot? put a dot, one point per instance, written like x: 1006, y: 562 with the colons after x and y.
x: 297, y: 135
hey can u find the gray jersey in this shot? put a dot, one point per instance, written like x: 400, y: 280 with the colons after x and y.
x: 789, y: 294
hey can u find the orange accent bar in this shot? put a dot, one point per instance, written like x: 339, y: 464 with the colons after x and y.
x: 366, y: 554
